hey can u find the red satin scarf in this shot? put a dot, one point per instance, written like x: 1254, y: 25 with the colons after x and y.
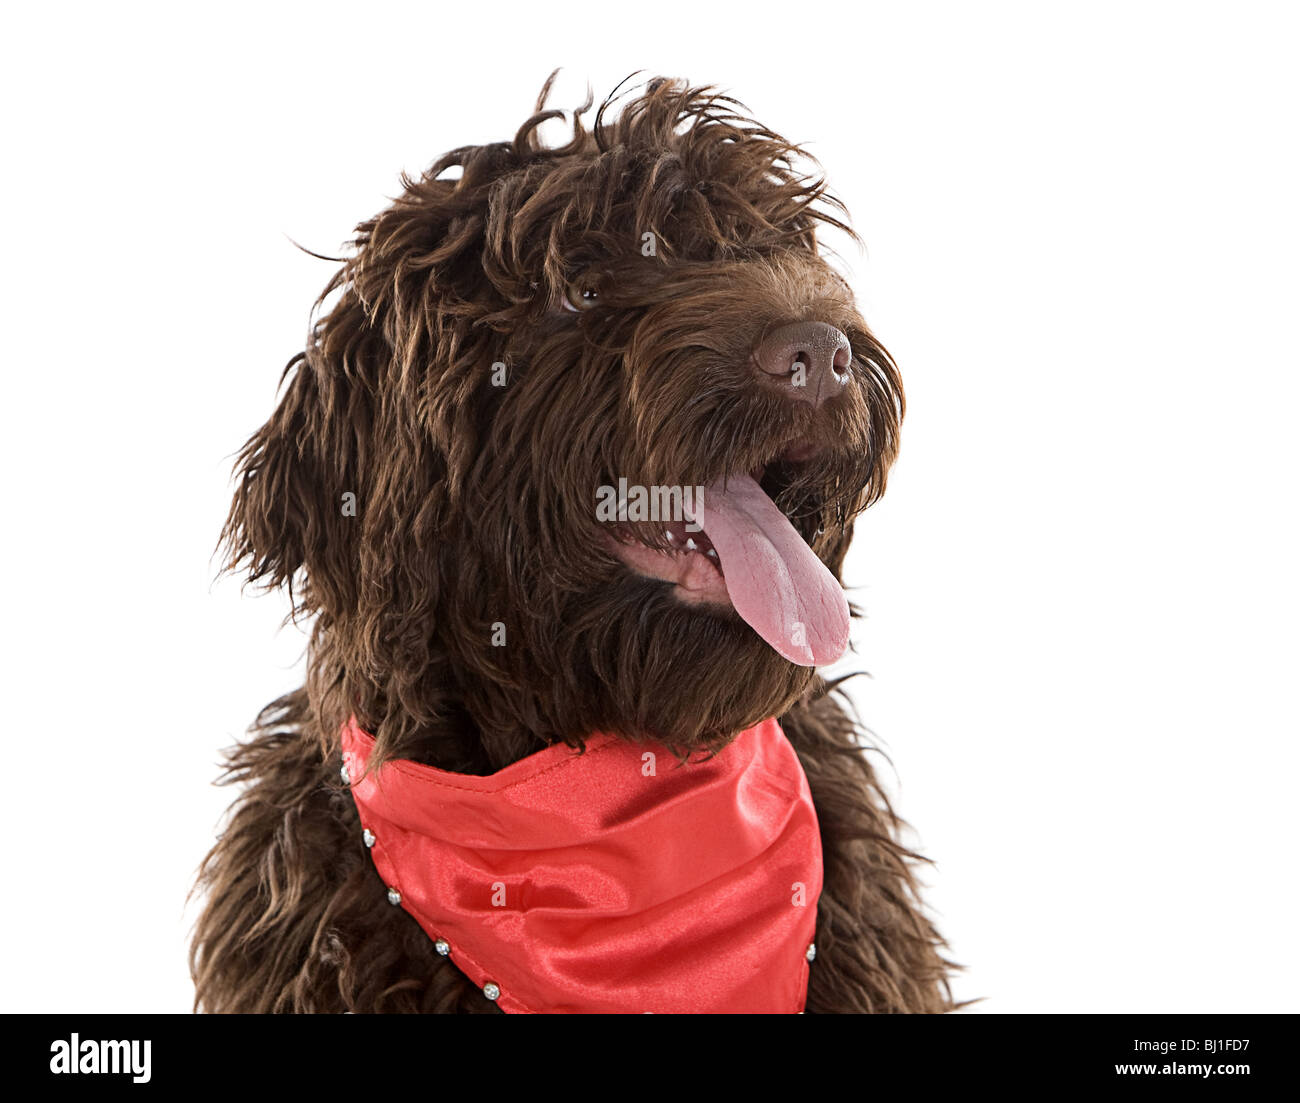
x: 610, y: 881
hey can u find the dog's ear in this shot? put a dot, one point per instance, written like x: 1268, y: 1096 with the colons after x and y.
x: 294, y: 520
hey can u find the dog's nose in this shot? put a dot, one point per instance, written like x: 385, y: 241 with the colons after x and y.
x: 806, y: 361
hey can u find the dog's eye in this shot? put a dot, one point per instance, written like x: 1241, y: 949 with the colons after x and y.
x: 580, y: 296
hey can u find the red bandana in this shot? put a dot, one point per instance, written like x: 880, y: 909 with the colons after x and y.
x: 610, y: 881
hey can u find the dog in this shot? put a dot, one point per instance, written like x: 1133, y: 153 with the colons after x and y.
x: 526, y: 347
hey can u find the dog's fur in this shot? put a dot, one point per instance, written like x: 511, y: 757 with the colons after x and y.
x: 475, y: 507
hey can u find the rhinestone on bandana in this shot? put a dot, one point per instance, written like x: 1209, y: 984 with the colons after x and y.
x: 394, y: 897
x: 368, y: 837
x: 491, y: 991
x: 343, y: 773
x: 442, y: 946
x: 811, y: 955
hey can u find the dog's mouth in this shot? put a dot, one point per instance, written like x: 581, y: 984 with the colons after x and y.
x: 734, y: 546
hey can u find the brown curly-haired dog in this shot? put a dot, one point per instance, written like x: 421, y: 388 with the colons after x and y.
x: 644, y: 293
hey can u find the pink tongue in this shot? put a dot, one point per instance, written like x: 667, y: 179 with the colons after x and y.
x: 776, y: 583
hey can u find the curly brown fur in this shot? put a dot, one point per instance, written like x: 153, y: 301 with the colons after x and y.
x: 474, y: 509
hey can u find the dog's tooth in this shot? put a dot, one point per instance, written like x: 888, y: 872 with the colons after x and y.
x: 690, y: 544
x: 670, y: 536
x: 711, y: 553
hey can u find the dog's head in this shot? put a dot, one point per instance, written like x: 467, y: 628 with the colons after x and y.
x: 482, y: 476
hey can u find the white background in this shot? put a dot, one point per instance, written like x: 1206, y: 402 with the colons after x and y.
x: 1082, y: 249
